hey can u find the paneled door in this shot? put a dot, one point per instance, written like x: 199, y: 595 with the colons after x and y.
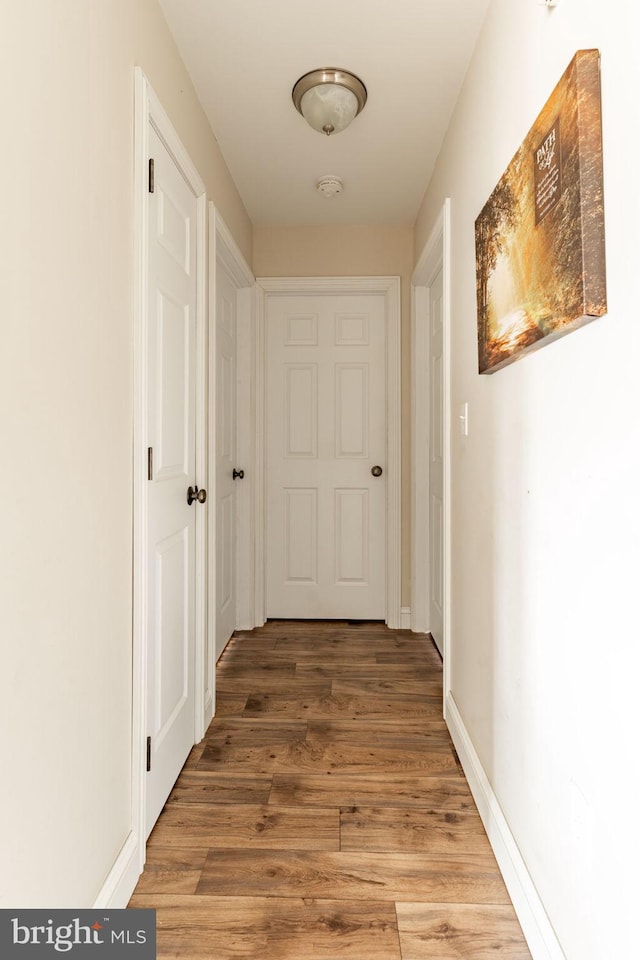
x: 325, y: 455
x: 436, y: 464
x: 225, y: 457
x: 171, y: 526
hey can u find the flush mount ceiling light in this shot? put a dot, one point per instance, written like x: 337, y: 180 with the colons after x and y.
x: 329, y: 99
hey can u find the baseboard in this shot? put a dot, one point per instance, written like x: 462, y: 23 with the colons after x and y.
x: 539, y: 933
x: 209, y: 710
x: 123, y: 876
x: 405, y: 618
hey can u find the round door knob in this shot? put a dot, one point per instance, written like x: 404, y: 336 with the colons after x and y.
x: 238, y: 474
x: 376, y: 471
x: 194, y: 494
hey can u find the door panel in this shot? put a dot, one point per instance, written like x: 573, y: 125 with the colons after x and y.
x: 171, y: 452
x: 172, y: 641
x: 352, y: 410
x: 301, y: 410
x: 226, y: 581
x: 301, y: 535
x: 326, y: 428
x: 352, y: 522
x: 171, y: 434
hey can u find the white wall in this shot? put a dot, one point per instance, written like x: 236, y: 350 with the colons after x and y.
x: 545, y: 505
x: 66, y: 250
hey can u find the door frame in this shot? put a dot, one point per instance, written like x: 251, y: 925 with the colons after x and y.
x: 434, y: 257
x: 224, y: 251
x: 389, y: 288
x: 149, y: 112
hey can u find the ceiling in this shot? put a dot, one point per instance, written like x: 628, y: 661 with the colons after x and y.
x: 244, y: 57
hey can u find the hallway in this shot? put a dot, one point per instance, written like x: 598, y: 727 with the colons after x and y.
x: 325, y: 813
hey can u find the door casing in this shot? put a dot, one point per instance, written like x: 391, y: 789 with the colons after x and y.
x: 224, y: 253
x: 435, y: 257
x: 389, y: 288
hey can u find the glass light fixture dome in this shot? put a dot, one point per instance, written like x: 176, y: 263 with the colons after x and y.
x: 329, y: 99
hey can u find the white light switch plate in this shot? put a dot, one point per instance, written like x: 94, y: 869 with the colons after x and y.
x: 464, y: 419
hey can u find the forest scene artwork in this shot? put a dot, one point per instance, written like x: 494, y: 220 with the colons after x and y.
x: 540, y: 259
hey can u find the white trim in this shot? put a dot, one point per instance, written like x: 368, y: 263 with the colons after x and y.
x: 435, y: 256
x: 123, y: 876
x: 225, y: 252
x: 405, y: 618
x: 419, y: 584
x: 202, y: 611
x: 536, y: 926
x: 139, y: 665
x: 212, y: 565
x: 389, y: 287
x: 230, y: 254
x: 245, y: 456
x: 260, y: 451
x: 148, y: 110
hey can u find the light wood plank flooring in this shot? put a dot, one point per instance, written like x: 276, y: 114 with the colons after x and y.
x: 325, y: 815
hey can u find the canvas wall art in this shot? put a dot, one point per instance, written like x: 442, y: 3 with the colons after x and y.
x: 540, y: 258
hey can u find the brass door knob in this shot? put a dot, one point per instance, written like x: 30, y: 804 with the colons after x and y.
x: 376, y: 471
x: 194, y: 494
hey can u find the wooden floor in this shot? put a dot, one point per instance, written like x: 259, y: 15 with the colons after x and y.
x: 325, y: 815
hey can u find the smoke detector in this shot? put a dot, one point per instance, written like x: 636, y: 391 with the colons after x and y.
x: 329, y: 186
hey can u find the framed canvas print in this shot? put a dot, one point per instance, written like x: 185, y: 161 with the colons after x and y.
x: 540, y: 258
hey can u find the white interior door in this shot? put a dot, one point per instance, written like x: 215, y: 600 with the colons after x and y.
x: 226, y: 340
x: 326, y: 431
x: 436, y: 461
x: 171, y: 527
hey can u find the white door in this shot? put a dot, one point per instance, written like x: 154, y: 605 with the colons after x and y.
x: 326, y: 443
x: 171, y: 525
x: 436, y: 468
x: 225, y: 457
